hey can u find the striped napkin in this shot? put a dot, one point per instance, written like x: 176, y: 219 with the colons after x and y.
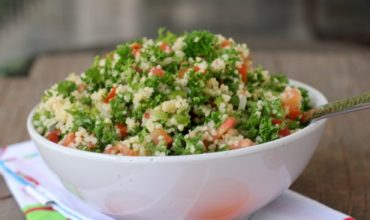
x: 24, y: 159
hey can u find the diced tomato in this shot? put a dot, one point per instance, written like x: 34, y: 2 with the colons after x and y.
x: 122, y: 149
x: 276, y: 121
x: 291, y: 99
x: 127, y: 151
x: 111, y: 149
x: 294, y: 114
x: 243, y: 143
x: 122, y: 130
x: 197, y: 69
x: 159, y: 132
x: 284, y: 132
x: 110, y: 95
x: 53, y: 136
x: 225, y: 43
x: 165, y: 47
x: 135, y: 46
x: 157, y: 71
x: 147, y: 115
x: 182, y: 72
x: 225, y: 126
x: 135, y: 49
x: 68, y: 139
x: 243, y: 71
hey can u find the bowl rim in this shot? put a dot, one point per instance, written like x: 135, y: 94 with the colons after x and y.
x: 320, y: 100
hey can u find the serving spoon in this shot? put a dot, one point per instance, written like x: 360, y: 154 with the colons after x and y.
x: 339, y: 107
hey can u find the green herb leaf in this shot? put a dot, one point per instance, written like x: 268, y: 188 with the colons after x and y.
x: 201, y: 44
x: 66, y: 87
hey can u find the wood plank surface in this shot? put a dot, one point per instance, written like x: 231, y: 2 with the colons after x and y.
x: 339, y: 172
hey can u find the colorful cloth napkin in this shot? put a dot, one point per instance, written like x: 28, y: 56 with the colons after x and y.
x: 24, y: 159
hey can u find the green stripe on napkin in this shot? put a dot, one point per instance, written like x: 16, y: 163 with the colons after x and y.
x: 41, y: 212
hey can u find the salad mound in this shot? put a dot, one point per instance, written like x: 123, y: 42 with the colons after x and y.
x: 174, y: 95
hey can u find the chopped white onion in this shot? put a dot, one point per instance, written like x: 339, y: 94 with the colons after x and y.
x: 242, y: 101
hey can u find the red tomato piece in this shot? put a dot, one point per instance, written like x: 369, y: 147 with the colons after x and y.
x: 127, y: 151
x: 122, y: 130
x: 53, y: 136
x: 243, y: 143
x: 225, y: 126
x: 111, y: 149
x: 291, y: 99
x: 284, y: 132
x: 294, y: 114
x: 276, y: 121
x: 135, y: 48
x: 243, y: 71
x: 225, y: 43
x: 197, y: 69
x: 159, y: 132
x: 157, y: 71
x: 110, y: 95
x: 165, y: 47
x: 68, y: 139
x: 182, y: 72
x: 147, y: 115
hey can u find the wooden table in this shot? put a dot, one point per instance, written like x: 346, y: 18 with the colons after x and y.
x: 338, y: 174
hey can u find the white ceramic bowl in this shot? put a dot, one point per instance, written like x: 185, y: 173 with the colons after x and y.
x: 221, y: 185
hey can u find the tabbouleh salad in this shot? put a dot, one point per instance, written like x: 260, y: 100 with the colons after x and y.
x: 174, y: 95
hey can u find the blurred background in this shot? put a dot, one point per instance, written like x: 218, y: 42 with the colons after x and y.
x: 29, y: 28
x: 324, y: 43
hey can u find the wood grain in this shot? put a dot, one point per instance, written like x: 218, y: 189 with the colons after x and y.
x: 9, y: 210
x: 339, y: 172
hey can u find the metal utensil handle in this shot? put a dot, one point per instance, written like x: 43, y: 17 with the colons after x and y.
x: 342, y: 106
